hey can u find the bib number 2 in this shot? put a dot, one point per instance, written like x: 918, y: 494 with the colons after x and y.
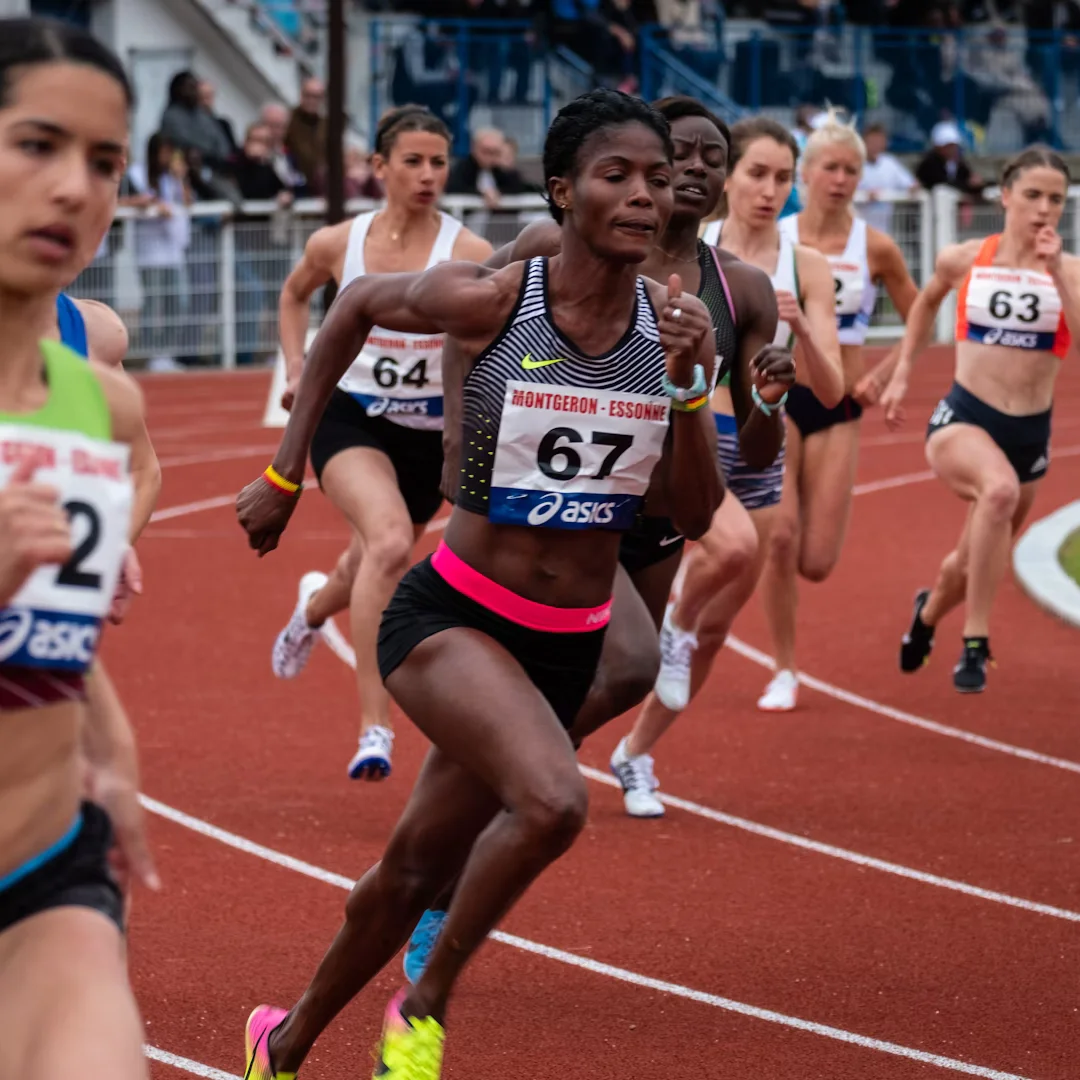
x: 71, y: 573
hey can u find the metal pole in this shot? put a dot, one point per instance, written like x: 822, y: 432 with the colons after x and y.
x: 335, y: 122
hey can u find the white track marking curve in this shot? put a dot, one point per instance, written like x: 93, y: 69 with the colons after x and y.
x: 595, y: 967
x: 196, y: 1068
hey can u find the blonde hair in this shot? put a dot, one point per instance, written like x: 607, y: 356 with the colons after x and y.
x: 833, y: 130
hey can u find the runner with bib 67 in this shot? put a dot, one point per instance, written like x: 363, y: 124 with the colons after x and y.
x: 514, y: 607
x: 1018, y: 311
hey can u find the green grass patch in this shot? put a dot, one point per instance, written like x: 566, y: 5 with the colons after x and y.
x: 1069, y: 556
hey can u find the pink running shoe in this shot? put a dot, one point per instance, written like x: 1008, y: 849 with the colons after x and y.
x: 260, y: 1024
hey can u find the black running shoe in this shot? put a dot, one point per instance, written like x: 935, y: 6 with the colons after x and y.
x: 969, y: 675
x: 919, y: 640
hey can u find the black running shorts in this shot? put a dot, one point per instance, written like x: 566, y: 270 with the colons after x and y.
x: 561, y: 666
x: 77, y: 875
x: 1024, y: 440
x: 417, y: 456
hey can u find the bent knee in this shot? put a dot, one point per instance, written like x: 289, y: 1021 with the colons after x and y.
x: 816, y: 567
x: 784, y: 540
x: 389, y: 553
x: 555, y: 815
x: 1001, y: 495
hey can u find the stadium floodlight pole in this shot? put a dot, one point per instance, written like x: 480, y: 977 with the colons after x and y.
x: 335, y: 121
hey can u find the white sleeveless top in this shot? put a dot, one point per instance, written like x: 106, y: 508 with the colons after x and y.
x: 856, y: 293
x: 785, y: 278
x: 398, y: 375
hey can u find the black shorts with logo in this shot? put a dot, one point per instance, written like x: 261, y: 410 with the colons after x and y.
x: 1024, y: 440
x: 650, y: 541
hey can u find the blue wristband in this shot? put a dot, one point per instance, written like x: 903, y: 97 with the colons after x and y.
x: 685, y: 393
x: 763, y: 405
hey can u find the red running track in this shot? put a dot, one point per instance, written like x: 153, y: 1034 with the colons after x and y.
x: 870, y: 898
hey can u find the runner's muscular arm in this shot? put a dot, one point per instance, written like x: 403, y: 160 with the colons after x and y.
x: 1065, y: 271
x: 760, y: 436
x: 459, y: 299
x: 887, y: 265
x: 813, y: 322
x: 322, y: 253
x: 539, y: 238
x: 107, y: 341
x: 953, y: 263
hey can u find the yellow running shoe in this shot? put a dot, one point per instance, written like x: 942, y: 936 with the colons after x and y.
x: 260, y: 1023
x: 411, y: 1049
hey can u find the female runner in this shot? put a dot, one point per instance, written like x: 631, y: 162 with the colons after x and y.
x: 566, y: 418
x: 823, y: 441
x: 378, y: 448
x: 742, y: 308
x: 723, y: 570
x: 67, y: 427
x: 989, y: 437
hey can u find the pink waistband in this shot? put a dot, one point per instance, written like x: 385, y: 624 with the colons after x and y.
x: 495, y: 597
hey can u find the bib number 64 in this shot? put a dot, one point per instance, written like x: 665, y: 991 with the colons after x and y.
x: 550, y: 452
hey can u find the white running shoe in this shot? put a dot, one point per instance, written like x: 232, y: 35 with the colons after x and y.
x: 781, y: 693
x: 372, y: 758
x: 676, y: 651
x: 638, y: 781
x: 294, y: 644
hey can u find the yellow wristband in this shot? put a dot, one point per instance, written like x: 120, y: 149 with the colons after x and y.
x: 690, y: 406
x: 280, y: 482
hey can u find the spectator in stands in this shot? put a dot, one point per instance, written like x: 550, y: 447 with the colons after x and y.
x: 207, y: 98
x: 883, y: 173
x: 695, y: 33
x: 192, y: 129
x: 305, y: 134
x: 483, y: 172
x: 998, y: 67
x: 275, y: 118
x: 162, y: 238
x: 945, y: 164
x: 426, y: 72
x: 256, y: 285
x: 360, y: 179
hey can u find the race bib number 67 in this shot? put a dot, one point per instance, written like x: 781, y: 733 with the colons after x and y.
x: 54, y: 620
x: 575, y: 459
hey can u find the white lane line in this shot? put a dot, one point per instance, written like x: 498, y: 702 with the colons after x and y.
x: 860, y: 702
x: 847, y: 856
x: 184, y: 509
x: 224, y: 454
x: 196, y: 1068
x: 249, y: 847
x: 333, y: 637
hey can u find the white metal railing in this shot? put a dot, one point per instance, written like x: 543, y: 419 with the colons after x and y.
x: 215, y: 301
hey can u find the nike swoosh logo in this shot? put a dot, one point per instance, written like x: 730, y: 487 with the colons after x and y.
x: 670, y: 540
x: 529, y: 364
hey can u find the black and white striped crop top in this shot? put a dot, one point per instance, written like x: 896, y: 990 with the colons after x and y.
x: 553, y: 437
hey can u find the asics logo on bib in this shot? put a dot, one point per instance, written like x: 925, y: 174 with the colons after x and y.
x: 529, y: 364
x: 1013, y: 339
x: 572, y: 510
x: 397, y: 406
x: 14, y: 630
x: 33, y: 639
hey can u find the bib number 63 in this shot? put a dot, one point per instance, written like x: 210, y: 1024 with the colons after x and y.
x: 557, y: 459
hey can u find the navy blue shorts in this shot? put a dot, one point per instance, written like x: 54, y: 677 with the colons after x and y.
x: 1024, y: 440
